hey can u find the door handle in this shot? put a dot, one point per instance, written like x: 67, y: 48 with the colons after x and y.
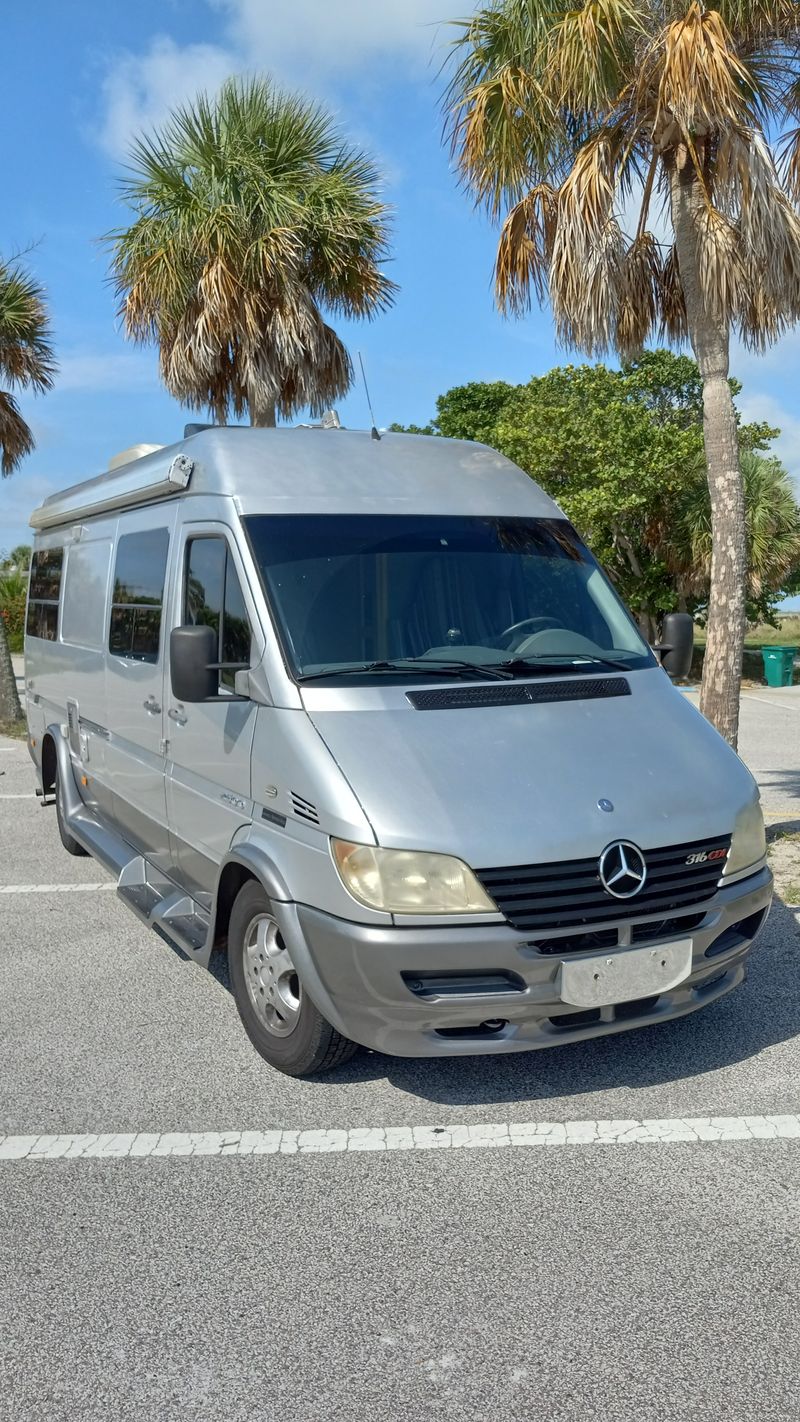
x: 177, y: 715
x: 151, y: 705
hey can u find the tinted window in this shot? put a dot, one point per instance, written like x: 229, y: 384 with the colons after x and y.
x: 213, y: 597
x: 45, y: 589
x: 360, y: 588
x: 139, y: 576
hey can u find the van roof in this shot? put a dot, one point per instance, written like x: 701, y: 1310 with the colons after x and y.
x: 309, y: 470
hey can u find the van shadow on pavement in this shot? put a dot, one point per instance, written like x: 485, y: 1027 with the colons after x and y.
x: 762, y: 1013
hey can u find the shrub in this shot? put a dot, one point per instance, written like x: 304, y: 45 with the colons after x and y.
x: 13, y: 590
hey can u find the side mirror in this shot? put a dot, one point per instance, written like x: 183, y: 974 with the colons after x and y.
x: 676, y: 647
x: 193, y: 653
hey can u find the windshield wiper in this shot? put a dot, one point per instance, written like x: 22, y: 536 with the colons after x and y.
x: 417, y: 666
x: 556, y: 661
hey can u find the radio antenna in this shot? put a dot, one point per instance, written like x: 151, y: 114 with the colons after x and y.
x: 374, y: 430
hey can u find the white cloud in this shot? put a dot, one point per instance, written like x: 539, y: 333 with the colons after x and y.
x: 759, y: 406
x: 331, y: 37
x: 115, y: 370
x: 309, y: 43
x: 140, y: 90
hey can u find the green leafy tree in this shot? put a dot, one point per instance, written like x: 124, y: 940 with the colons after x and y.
x: 26, y: 362
x: 561, y: 112
x: 622, y: 453
x: 773, y: 536
x: 18, y: 558
x: 252, y: 216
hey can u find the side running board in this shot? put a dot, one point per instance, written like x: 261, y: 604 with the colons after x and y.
x: 156, y: 900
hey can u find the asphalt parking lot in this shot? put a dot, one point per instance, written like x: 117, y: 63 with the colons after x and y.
x: 607, y: 1229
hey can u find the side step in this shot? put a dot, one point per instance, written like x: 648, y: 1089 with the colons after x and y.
x: 156, y: 900
x: 164, y: 907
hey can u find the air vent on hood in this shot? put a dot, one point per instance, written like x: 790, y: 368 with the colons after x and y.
x: 519, y: 693
x: 304, y: 809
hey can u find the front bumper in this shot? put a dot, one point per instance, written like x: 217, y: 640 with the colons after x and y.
x: 418, y: 992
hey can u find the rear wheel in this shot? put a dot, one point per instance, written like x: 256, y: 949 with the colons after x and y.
x: 278, y: 1015
x: 70, y: 843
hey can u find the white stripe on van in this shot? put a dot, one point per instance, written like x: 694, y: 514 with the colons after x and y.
x: 583, y: 1134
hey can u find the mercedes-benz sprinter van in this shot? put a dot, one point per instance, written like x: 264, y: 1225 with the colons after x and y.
x: 368, y: 715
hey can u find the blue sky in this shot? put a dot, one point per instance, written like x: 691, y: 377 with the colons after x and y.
x: 80, y: 79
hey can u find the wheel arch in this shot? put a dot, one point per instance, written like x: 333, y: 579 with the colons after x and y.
x: 49, y: 762
x: 238, y: 868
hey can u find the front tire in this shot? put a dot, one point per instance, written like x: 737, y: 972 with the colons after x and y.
x: 278, y: 1015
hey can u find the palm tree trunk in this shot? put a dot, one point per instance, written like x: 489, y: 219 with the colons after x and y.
x: 710, y: 339
x: 262, y: 416
x: 10, y: 709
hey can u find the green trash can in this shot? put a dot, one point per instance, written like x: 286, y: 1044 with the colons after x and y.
x: 779, y: 665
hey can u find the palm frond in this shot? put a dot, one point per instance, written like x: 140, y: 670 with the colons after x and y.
x: 26, y: 351
x: 702, y: 85
x: 250, y: 212
x: 590, y: 52
x: 588, y: 251
x: 674, y: 323
x: 640, y: 288
x: 525, y: 249
x: 759, y: 20
x: 16, y: 439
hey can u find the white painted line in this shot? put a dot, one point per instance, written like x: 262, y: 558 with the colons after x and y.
x: 29, y: 796
x: 779, y: 705
x: 154, y: 1145
x: 57, y: 888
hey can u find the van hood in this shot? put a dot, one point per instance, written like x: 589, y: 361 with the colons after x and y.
x: 522, y: 784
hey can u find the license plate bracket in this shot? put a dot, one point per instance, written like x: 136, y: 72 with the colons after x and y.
x: 609, y: 978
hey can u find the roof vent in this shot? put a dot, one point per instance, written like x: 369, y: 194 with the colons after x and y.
x: 127, y: 456
x: 330, y: 421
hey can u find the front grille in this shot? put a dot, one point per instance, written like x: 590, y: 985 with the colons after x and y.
x: 549, y: 896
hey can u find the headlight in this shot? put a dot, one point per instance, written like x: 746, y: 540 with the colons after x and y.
x: 408, y: 881
x: 749, y: 844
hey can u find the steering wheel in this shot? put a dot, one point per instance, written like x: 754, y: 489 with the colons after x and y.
x: 532, y: 624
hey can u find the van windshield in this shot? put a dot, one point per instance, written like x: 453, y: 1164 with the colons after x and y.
x: 357, y: 594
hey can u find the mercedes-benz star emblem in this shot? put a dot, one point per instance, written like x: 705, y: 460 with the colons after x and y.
x: 622, y: 870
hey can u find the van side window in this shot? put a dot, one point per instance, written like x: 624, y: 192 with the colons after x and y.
x: 45, y: 590
x: 213, y: 597
x: 139, y: 577
x: 83, y: 617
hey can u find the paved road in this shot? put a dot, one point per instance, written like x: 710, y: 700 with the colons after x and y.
x: 377, y: 1267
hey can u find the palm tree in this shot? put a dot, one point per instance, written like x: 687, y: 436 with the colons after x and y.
x: 26, y: 361
x: 251, y: 215
x: 772, y: 519
x: 572, y: 113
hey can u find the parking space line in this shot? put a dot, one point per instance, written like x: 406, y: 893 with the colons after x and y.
x: 57, y: 888
x: 28, y: 796
x: 143, y: 1145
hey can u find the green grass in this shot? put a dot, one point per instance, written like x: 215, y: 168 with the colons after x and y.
x: 786, y: 635
x: 790, y: 893
x: 18, y: 730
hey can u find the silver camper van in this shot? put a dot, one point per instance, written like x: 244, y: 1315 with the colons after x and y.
x: 368, y: 715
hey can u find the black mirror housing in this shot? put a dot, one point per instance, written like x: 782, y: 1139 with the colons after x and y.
x: 193, y: 653
x: 676, y: 647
